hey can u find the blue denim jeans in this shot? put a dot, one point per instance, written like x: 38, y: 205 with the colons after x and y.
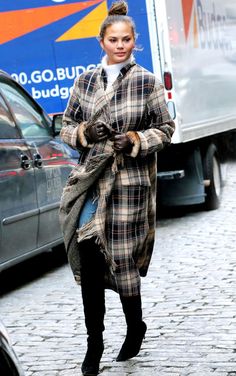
x: 88, y: 209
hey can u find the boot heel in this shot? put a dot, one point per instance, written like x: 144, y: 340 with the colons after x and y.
x: 132, y: 343
x: 90, y: 365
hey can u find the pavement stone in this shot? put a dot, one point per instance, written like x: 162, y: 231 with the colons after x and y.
x: 189, y: 305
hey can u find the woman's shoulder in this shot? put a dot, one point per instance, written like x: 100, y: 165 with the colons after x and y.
x: 139, y: 69
x: 146, y: 76
x: 88, y: 75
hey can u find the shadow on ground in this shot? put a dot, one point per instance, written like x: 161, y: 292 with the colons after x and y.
x: 31, y: 269
x: 178, y: 211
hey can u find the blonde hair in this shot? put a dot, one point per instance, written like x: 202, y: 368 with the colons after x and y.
x: 117, y: 13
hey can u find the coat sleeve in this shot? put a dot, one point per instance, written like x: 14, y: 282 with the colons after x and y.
x: 159, y: 125
x: 73, y: 126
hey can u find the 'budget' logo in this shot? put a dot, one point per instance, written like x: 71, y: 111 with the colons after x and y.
x: 206, y: 25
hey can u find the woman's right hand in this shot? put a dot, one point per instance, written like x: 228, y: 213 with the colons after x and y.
x: 122, y: 143
x: 96, y: 132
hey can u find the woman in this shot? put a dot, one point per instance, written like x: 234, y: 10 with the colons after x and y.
x: 117, y: 118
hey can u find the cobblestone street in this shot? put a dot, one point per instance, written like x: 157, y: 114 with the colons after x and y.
x: 189, y: 305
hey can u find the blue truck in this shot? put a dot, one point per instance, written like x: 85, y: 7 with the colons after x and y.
x: 46, y: 47
x: 189, y: 44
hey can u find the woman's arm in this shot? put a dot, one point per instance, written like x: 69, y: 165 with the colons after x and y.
x: 159, y: 122
x: 159, y: 125
x: 73, y: 126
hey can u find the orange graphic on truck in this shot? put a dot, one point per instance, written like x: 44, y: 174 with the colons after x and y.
x: 17, y: 23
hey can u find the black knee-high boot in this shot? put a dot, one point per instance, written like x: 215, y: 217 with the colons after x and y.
x: 93, y: 295
x: 136, y: 327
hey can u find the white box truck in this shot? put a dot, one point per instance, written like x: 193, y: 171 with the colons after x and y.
x: 189, y: 44
x: 194, y: 52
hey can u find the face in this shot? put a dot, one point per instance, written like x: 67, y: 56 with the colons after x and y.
x: 118, y: 42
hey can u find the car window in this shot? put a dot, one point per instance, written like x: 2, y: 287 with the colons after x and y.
x: 28, y: 118
x: 7, y: 126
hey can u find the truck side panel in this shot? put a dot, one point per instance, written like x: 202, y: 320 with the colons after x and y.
x: 202, y: 35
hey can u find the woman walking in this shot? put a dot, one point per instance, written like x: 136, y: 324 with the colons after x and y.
x: 117, y: 118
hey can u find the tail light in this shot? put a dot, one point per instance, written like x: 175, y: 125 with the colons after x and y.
x: 168, y: 80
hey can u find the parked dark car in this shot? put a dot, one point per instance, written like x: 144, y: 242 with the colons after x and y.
x: 9, y: 362
x: 34, y: 166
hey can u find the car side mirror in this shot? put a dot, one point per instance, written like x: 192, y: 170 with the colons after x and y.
x: 56, y: 124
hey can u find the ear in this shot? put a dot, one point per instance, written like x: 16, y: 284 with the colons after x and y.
x: 101, y: 43
x: 134, y: 43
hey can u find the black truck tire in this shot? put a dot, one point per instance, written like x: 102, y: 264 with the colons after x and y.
x: 212, y: 177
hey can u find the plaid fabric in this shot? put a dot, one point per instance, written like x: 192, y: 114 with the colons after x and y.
x: 126, y: 233
x: 125, y: 218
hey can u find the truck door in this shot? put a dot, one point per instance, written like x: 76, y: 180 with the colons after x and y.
x: 155, y: 26
x: 18, y: 201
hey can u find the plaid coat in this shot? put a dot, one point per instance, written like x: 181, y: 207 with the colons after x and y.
x: 124, y: 223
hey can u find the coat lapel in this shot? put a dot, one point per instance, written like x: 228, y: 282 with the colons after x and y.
x: 102, y: 97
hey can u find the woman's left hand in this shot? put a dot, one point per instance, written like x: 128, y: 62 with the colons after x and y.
x: 122, y: 143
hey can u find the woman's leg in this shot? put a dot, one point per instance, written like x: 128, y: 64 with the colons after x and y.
x: 136, y: 327
x: 93, y: 295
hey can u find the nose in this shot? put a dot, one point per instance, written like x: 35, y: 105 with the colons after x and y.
x: 120, y: 44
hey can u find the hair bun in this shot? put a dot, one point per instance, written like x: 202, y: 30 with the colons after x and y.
x: 119, y: 8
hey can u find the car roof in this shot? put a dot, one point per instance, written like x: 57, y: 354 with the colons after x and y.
x: 5, y: 74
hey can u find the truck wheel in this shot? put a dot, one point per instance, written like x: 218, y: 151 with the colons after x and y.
x: 212, y: 177
x: 233, y: 145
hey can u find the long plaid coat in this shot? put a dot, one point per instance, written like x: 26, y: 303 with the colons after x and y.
x: 124, y: 223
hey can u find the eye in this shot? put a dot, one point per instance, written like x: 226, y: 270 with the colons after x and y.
x: 112, y: 40
x: 128, y: 39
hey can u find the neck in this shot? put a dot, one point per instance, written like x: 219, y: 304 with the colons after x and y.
x: 106, y: 64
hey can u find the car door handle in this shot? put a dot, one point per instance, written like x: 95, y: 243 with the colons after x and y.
x: 38, y: 162
x: 25, y: 162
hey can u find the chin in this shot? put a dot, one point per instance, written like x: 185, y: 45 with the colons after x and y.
x: 121, y: 59
x: 117, y: 59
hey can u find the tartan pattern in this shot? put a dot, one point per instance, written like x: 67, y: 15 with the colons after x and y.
x: 126, y: 229
x: 125, y: 218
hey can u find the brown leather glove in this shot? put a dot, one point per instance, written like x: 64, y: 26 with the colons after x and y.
x: 96, y: 132
x: 122, y: 143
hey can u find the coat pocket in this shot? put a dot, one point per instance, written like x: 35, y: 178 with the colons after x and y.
x: 135, y: 176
